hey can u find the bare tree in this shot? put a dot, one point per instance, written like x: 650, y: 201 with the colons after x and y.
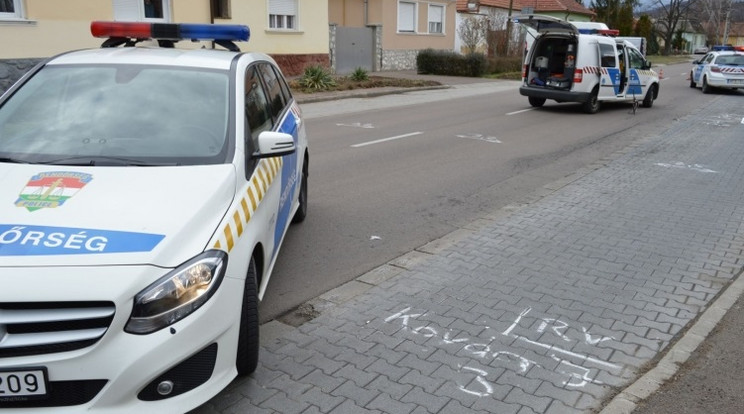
x: 718, y: 13
x: 671, y: 14
x: 473, y: 31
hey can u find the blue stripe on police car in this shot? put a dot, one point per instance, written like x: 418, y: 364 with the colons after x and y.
x: 24, y: 240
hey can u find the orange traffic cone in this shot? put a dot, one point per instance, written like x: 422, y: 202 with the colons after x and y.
x: 661, y: 73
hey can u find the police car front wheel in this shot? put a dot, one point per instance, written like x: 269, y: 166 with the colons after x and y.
x: 648, y: 101
x: 301, y: 212
x: 246, y: 359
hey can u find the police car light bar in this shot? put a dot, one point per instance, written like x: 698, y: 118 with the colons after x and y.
x: 604, y: 32
x: 169, y: 31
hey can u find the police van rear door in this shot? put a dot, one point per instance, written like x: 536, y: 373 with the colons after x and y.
x: 543, y: 24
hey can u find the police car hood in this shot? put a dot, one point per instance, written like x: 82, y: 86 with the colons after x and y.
x: 88, y: 216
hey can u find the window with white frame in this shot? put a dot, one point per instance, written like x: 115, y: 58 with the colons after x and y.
x: 142, y: 10
x: 406, y: 17
x: 283, y: 14
x: 436, y: 18
x: 11, y: 9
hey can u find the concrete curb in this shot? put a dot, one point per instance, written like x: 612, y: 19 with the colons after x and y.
x: 361, y: 93
x: 668, y: 366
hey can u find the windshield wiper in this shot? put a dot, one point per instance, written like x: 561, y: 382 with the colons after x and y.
x: 13, y: 160
x: 107, y: 161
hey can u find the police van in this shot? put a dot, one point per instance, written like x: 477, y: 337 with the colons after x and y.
x: 146, y: 191
x: 588, y: 66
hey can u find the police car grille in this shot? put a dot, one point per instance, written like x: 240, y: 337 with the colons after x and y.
x: 44, y: 328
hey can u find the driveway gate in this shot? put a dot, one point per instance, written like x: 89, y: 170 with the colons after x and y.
x: 354, y: 49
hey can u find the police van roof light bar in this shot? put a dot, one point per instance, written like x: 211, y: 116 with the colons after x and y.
x: 604, y: 32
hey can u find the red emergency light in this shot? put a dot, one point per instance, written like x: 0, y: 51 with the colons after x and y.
x: 169, y: 31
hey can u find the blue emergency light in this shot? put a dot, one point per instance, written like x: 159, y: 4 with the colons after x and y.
x: 219, y: 33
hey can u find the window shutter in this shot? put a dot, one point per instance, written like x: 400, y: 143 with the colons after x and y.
x: 406, y: 15
x: 283, y: 7
x: 435, y: 14
x: 127, y: 10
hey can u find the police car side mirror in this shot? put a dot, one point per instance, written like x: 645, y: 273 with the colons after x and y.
x: 274, y: 144
x: 695, y: 62
x: 647, y: 65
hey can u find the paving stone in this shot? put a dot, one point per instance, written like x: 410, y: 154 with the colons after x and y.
x: 280, y: 402
x: 361, y: 396
x: 324, y: 401
x: 385, y: 403
x: 360, y: 377
x: 394, y: 389
x: 421, y: 398
x: 349, y: 407
x: 327, y: 383
x: 426, y: 382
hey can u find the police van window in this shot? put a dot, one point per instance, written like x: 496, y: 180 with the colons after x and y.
x: 636, y: 59
x: 273, y: 89
x: 608, y: 55
x: 257, y: 111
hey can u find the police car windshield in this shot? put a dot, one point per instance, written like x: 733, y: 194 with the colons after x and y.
x: 150, y: 115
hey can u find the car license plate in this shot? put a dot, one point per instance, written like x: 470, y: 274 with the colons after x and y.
x: 736, y: 81
x: 30, y: 382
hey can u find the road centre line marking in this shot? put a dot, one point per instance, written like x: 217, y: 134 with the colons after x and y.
x: 519, y: 112
x: 364, y: 144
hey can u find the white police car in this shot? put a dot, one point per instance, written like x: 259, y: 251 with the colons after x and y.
x: 718, y: 69
x: 145, y: 194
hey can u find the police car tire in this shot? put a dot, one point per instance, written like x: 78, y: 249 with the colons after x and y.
x: 591, y: 106
x: 246, y: 359
x: 704, y: 87
x: 648, y: 101
x: 301, y: 212
x: 536, y: 102
x: 692, y: 81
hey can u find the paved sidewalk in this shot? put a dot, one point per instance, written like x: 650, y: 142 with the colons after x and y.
x: 556, y: 305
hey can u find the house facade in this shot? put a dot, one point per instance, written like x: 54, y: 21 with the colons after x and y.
x: 388, y: 34
x: 499, y: 12
x: 292, y: 31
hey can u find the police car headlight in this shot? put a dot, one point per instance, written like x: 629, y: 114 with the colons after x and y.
x: 177, y: 294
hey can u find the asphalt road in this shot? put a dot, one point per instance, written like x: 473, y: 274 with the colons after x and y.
x: 391, y: 173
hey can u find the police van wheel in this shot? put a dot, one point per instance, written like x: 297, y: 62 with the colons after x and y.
x: 648, y: 101
x: 705, y: 87
x: 692, y: 81
x: 247, y: 356
x: 591, y: 106
x: 301, y: 212
x: 536, y: 102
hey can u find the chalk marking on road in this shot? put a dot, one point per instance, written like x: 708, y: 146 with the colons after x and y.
x: 488, y: 389
x: 357, y: 125
x: 578, y: 376
x: 480, y: 137
x: 694, y: 167
x: 519, y: 112
x: 516, y: 321
x: 569, y: 353
x: 364, y: 144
